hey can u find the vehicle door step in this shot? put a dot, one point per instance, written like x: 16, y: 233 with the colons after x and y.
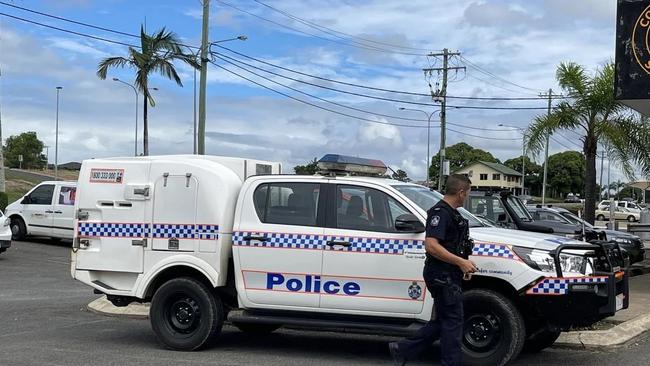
x: 314, y: 321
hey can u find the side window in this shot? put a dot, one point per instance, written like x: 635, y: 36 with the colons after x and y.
x: 621, y: 204
x: 67, y: 196
x: 287, y: 203
x: 42, y: 195
x: 368, y: 209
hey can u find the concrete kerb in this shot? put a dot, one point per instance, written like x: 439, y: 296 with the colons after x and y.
x: 104, y: 307
x: 614, y: 337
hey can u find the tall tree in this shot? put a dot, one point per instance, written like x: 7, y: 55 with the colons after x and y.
x: 310, y: 168
x: 401, y: 176
x: 29, y: 146
x: 157, y: 53
x: 459, y: 155
x: 566, y: 173
x: 592, y: 112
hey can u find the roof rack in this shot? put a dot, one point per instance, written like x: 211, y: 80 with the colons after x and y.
x: 335, y: 164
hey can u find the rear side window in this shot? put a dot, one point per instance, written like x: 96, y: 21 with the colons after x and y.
x: 67, y: 196
x: 287, y: 203
x: 42, y: 195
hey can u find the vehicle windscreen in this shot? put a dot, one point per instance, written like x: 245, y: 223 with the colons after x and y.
x: 519, y: 209
x: 425, y: 198
x: 576, y: 220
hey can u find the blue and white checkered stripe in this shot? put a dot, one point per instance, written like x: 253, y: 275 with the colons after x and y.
x: 279, y: 240
x: 112, y: 230
x: 309, y: 241
x: 375, y: 245
x: 493, y: 250
x: 560, y: 286
x: 140, y: 230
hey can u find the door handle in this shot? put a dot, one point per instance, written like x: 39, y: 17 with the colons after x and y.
x: 48, y: 211
x: 58, y: 212
x: 332, y: 243
x: 255, y: 237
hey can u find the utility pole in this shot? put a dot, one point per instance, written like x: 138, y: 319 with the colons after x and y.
x: 441, y: 95
x: 602, y: 163
x: 2, y: 158
x: 609, y: 166
x: 204, y: 77
x: 56, y: 143
x: 548, y: 136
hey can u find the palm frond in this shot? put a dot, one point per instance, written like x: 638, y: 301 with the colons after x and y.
x: 166, y: 68
x: 572, y: 78
x: 105, y: 64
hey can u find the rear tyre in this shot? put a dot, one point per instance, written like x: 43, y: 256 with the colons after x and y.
x: 541, y: 341
x: 494, y: 330
x: 600, y: 217
x: 631, y: 218
x: 253, y: 328
x: 18, y: 229
x: 185, y: 314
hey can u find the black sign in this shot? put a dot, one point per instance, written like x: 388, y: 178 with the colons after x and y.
x: 633, y: 50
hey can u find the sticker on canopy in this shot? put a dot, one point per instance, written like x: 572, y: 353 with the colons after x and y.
x: 114, y: 176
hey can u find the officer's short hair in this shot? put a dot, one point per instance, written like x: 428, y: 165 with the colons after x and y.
x: 457, y: 183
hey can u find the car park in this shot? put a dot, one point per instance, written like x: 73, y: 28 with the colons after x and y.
x: 46, y: 210
x: 211, y: 239
x: 5, y: 233
x: 631, y: 244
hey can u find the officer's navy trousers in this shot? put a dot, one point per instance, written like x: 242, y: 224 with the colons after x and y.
x: 447, y: 325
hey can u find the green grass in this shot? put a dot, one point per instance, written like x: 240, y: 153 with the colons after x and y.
x: 12, y: 175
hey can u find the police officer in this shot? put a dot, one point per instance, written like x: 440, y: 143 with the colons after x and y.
x: 447, y: 247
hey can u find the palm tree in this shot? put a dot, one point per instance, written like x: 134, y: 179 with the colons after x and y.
x: 592, y: 112
x: 157, y: 53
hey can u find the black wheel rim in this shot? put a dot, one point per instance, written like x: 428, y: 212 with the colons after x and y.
x: 482, y: 334
x: 15, y: 230
x: 183, y: 314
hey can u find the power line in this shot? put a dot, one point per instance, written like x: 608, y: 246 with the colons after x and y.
x: 342, y: 113
x: 334, y: 32
x: 69, y: 31
x: 486, y: 72
x: 366, y: 47
x: 360, y: 86
x: 346, y: 106
x: 330, y: 88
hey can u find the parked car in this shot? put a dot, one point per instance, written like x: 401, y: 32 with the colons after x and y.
x: 621, y: 213
x: 632, y: 244
x: 572, y: 198
x: 46, y: 210
x: 5, y: 233
x: 632, y: 206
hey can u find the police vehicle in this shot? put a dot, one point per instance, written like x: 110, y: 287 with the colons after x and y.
x: 210, y: 239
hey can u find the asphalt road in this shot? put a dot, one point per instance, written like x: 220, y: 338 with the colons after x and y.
x: 44, y: 322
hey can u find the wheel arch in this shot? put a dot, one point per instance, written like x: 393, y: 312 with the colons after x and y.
x: 492, y: 283
x: 202, y: 273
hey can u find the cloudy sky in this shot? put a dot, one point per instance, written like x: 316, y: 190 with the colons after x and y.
x: 510, y: 49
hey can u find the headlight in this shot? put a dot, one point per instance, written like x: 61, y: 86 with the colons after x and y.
x: 542, y: 260
x: 7, y: 222
x: 622, y: 240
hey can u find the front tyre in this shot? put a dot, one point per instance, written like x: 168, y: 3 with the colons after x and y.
x: 631, y: 218
x: 494, y: 330
x: 185, y: 314
x: 18, y: 229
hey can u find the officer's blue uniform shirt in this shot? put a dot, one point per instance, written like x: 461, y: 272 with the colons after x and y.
x: 441, y: 226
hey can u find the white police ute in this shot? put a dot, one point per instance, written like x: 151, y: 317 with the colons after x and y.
x: 211, y: 239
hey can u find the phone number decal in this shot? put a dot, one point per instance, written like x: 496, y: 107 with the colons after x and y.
x: 106, y: 176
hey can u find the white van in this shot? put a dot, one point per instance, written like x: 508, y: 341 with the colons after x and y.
x: 211, y: 239
x: 46, y: 210
x: 631, y: 206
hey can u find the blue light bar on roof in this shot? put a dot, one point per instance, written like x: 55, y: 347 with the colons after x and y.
x: 351, y: 164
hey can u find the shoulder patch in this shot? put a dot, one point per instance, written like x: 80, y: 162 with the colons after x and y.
x: 435, y: 221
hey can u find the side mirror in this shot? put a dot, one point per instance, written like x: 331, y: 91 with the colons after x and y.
x: 501, y: 217
x: 408, y: 223
x: 26, y: 200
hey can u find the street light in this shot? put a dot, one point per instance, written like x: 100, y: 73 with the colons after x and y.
x: 202, y: 127
x: 523, y: 154
x: 135, y: 141
x: 56, y: 138
x: 429, y: 115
